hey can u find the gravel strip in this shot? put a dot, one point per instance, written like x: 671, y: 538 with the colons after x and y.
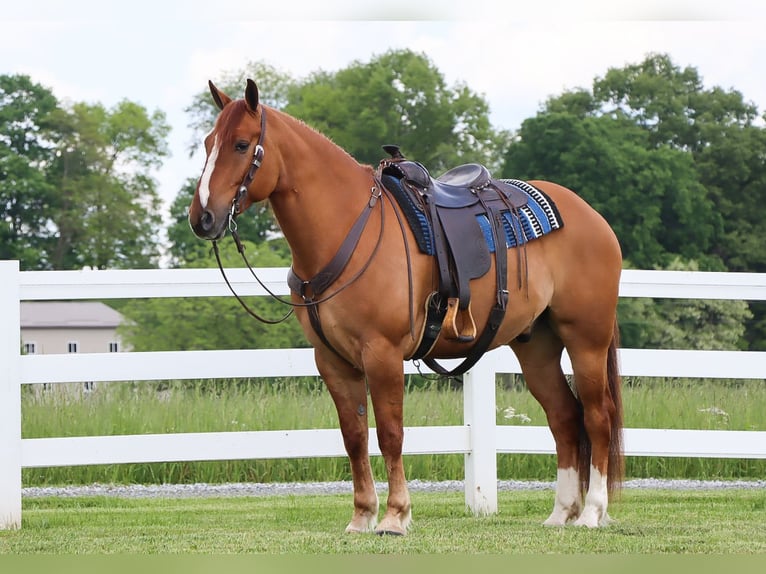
x: 344, y: 487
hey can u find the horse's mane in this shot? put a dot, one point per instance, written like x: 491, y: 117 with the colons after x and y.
x: 317, y: 134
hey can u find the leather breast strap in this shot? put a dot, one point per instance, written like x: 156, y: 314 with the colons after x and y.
x: 310, y: 290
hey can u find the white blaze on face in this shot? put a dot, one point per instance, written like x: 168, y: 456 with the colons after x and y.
x: 204, y: 182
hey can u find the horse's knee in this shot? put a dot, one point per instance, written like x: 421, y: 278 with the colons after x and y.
x: 390, y: 439
x: 356, y: 444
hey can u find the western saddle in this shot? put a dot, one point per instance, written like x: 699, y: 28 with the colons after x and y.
x: 453, y: 204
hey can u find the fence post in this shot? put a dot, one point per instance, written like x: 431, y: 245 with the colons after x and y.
x: 479, y: 415
x: 10, y: 397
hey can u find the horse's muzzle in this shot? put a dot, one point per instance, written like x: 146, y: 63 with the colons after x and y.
x: 208, y: 226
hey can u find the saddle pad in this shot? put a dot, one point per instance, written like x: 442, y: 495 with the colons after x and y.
x: 417, y: 220
x: 537, y: 218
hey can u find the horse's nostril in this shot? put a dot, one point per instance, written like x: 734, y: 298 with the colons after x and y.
x: 207, y: 220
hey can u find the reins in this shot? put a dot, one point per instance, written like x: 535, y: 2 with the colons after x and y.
x: 245, y: 306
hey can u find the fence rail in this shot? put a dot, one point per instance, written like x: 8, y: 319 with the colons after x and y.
x: 478, y: 438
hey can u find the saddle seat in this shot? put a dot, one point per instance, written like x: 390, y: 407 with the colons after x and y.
x: 452, y: 202
x: 456, y: 187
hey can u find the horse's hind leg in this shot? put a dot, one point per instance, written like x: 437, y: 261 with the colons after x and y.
x: 591, y: 345
x: 600, y: 415
x: 540, y: 361
x: 349, y: 392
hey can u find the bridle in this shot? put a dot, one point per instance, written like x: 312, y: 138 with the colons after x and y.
x: 234, y: 211
x: 307, y: 289
x: 236, y: 204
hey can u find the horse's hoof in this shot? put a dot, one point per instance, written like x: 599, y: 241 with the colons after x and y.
x: 388, y: 533
x: 588, y: 519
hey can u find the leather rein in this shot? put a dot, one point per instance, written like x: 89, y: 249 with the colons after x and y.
x: 310, y: 290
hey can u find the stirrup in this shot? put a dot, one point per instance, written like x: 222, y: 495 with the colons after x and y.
x: 468, y: 333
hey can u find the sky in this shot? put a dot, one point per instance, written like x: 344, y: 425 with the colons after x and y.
x: 160, y: 53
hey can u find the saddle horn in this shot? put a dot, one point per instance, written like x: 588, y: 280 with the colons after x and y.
x: 393, y: 151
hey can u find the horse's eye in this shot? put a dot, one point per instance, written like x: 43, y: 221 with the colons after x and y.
x: 241, y: 146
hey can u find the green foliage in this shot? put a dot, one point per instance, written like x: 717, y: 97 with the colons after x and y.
x: 399, y: 97
x: 715, y: 324
x: 213, y: 322
x: 677, y: 169
x: 75, y: 181
x: 107, y: 211
x: 651, y: 196
x: 27, y: 140
x: 716, y: 128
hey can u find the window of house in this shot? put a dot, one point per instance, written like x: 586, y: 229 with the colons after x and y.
x: 72, y: 346
x: 30, y: 348
x: 114, y: 347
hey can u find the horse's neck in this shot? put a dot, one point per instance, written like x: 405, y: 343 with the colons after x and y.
x: 321, y: 192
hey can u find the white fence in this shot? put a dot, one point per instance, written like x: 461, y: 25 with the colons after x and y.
x: 479, y: 439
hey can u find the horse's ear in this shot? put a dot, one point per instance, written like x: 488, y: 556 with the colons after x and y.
x: 251, y: 95
x: 219, y: 97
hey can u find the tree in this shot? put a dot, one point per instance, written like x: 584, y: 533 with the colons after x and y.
x: 107, y: 207
x: 75, y: 181
x: 652, y: 197
x: 399, y: 98
x: 717, y: 128
x: 692, y: 159
x: 27, y: 139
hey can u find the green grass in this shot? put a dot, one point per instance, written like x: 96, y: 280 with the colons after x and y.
x: 139, y: 408
x: 646, y: 522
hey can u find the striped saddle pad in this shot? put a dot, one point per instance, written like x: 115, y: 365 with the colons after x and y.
x: 537, y: 218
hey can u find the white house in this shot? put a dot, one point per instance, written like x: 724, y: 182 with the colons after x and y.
x: 49, y: 327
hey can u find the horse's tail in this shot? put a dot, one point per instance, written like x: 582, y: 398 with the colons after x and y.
x: 616, y: 468
x: 616, y: 461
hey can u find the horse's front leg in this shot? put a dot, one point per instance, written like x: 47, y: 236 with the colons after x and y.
x: 385, y: 378
x: 349, y: 393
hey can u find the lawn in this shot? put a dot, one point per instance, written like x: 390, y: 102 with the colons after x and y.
x: 647, y: 522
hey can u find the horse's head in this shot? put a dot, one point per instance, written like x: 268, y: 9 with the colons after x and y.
x: 235, y: 151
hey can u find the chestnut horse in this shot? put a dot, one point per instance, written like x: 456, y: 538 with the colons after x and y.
x: 317, y: 192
